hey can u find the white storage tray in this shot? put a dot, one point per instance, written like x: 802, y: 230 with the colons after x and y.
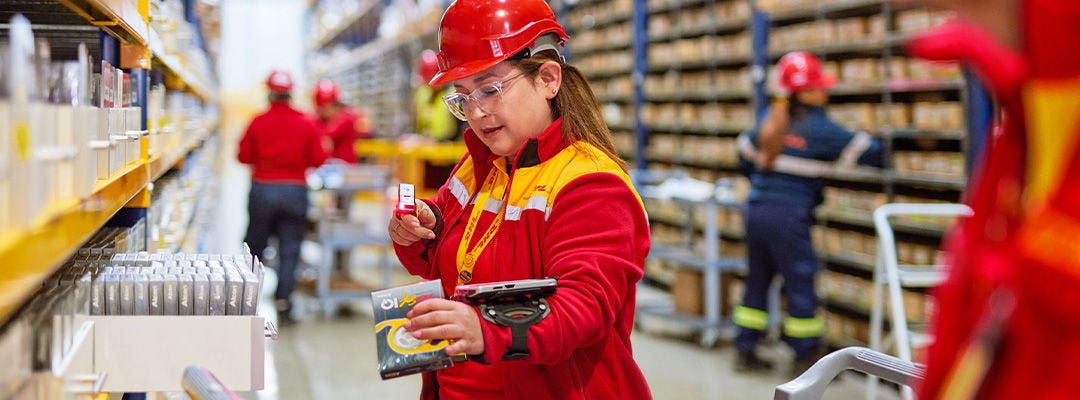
x: 149, y: 353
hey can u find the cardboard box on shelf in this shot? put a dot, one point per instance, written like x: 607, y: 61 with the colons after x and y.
x: 688, y: 292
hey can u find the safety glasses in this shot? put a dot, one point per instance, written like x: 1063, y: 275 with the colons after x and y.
x: 488, y: 98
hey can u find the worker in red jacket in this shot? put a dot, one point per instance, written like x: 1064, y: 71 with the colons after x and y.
x: 280, y: 145
x: 341, y: 125
x: 1009, y: 313
x: 540, y: 193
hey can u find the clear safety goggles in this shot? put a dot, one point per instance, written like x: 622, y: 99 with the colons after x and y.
x: 488, y: 98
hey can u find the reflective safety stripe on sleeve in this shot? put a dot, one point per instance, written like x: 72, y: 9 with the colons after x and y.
x: 804, y: 327
x: 751, y: 318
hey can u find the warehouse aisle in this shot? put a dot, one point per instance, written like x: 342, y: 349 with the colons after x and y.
x: 334, y: 358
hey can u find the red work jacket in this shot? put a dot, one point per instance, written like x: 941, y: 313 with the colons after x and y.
x: 570, y: 213
x: 342, y: 131
x: 1009, y: 313
x: 280, y: 144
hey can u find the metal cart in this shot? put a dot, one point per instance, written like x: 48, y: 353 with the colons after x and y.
x: 693, y: 196
x: 335, y: 231
x: 812, y: 383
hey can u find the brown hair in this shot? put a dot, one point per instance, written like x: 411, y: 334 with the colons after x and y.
x: 577, y: 105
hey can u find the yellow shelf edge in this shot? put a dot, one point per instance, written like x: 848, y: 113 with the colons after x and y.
x: 120, y: 13
x: 30, y: 255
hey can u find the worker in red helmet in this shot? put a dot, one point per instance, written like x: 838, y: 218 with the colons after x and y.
x: 280, y: 145
x: 1009, y: 312
x: 342, y: 125
x: 540, y: 193
x: 787, y: 157
x: 433, y: 119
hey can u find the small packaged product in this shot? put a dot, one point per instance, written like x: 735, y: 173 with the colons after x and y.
x: 399, y: 352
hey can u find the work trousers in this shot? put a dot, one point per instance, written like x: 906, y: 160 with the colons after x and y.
x: 778, y: 242
x: 278, y: 211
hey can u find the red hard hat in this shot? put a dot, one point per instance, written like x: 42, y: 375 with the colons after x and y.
x: 427, y: 66
x: 325, y: 92
x: 279, y: 81
x: 800, y: 70
x: 476, y: 34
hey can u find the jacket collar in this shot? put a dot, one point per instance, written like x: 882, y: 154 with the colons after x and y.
x: 535, y: 151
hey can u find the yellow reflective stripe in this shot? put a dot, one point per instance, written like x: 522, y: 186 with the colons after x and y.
x: 804, y: 327
x: 752, y: 318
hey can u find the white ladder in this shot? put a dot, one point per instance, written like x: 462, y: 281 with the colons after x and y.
x: 888, y: 272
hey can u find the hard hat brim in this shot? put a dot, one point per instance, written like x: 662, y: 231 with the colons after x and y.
x: 463, y: 71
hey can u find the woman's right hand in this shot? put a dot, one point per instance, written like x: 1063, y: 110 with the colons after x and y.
x: 408, y: 229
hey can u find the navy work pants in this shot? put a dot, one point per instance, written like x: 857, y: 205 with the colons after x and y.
x: 278, y: 211
x: 778, y: 242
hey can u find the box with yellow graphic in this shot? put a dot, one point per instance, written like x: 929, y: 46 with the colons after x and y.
x: 399, y: 352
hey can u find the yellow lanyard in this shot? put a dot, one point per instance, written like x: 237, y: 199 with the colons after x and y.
x: 466, y: 257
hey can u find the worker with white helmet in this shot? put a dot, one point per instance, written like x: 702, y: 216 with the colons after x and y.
x: 540, y: 193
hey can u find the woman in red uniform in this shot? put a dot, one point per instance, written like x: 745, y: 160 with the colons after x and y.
x: 540, y: 193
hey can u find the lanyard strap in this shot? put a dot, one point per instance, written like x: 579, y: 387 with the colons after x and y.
x: 466, y: 257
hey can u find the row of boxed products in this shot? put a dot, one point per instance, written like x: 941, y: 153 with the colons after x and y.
x: 585, y: 17
x: 727, y: 219
x: 132, y: 284
x: 776, y: 6
x: 847, y: 243
x: 177, y: 198
x: 862, y: 203
x: 894, y: 71
x: 700, y: 18
x: 705, y: 150
x: 852, y: 202
x: 51, y: 311
x: 620, y: 86
x: 877, y: 117
x: 873, y: 117
x: 67, y: 128
x: 934, y: 164
x: 108, y: 241
x: 736, y: 116
x: 675, y: 82
x: 832, y: 31
x: 605, y: 62
x: 611, y: 35
x: 853, y: 291
x: 701, y: 49
x: 843, y: 329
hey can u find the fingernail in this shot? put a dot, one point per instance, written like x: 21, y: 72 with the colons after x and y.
x: 431, y: 235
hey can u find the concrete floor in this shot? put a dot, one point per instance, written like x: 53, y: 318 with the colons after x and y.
x: 334, y: 358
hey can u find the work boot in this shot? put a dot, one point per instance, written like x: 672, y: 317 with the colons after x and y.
x: 284, y: 313
x: 748, y: 361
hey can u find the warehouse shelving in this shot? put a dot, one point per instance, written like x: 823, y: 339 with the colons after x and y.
x: 118, y: 31
x: 30, y: 255
x: 884, y: 27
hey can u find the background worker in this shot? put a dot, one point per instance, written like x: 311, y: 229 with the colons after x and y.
x: 280, y: 145
x: 540, y: 171
x: 787, y: 155
x: 342, y: 125
x: 1009, y: 312
x: 433, y: 120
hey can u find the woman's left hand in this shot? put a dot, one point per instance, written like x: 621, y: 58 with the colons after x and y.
x: 450, y: 320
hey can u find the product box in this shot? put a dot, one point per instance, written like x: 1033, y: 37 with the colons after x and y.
x: 399, y: 353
